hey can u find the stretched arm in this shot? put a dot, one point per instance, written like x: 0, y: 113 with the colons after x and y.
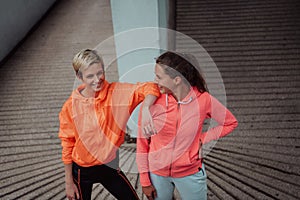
x: 148, y: 93
x: 71, y: 188
x: 142, y: 163
x: 66, y: 134
x: 147, y: 120
x: 146, y: 129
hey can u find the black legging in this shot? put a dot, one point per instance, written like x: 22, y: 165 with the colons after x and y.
x: 110, y: 176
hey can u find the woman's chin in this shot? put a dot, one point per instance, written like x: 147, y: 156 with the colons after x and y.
x: 97, y: 88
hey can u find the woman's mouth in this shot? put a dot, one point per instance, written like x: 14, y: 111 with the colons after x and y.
x: 97, y: 86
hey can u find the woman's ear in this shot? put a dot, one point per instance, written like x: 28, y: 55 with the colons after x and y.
x: 177, y: 80
x: 79, y: 76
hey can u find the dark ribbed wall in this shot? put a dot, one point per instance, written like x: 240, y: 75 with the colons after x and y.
x: 256, y: 47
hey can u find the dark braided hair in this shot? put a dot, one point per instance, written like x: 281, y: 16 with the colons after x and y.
x: 184, y: 65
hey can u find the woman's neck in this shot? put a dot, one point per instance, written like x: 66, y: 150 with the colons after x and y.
x: 181, y: 92
x: 87, y: 94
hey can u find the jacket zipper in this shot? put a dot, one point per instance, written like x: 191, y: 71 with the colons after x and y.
x: 178, y: 109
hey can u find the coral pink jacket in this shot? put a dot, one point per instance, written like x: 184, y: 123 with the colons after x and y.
x: 175, y: 150
x: 92, y: 129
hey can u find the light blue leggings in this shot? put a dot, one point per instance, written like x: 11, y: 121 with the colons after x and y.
x: 192, y: 187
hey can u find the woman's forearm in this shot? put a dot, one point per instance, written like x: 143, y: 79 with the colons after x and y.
x: 68, y: 173
x: 147, y: 120
x: 149, y: 100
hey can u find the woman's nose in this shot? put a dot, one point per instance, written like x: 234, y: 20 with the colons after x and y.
x: 96, y: 79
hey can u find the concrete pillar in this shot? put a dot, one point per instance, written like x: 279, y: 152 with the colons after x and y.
x: 138, y: 40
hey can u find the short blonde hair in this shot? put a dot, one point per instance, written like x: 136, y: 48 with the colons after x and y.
x: 85, y: 58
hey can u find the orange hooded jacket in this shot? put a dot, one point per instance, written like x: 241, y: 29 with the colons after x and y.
x: 92, y: 129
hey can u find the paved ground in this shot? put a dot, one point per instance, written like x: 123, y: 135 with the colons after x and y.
x: 255, y: 45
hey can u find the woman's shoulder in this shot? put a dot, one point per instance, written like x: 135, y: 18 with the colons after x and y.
x: 120, y: 85
x: 202, y: 95
x: 67, y: 105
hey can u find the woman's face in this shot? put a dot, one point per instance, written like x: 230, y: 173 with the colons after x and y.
x: 93, y: 77
x: 165, y: 83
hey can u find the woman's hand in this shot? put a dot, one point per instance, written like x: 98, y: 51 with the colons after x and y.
x: 71, y: 188
x: 147, y: 122
x: 150, y: 192
x: 72, y: 191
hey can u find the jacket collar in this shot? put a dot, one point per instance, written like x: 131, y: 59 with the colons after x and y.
x: 193, y: 94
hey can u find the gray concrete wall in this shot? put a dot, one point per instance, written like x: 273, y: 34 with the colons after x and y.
x: 17, y: 17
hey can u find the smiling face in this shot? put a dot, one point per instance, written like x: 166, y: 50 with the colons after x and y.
x: 93, y: 78
x: 165, y: 83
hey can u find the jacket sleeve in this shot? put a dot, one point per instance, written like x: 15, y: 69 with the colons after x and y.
x: 225, y: 119
x: 142, y: 156
x: 141, y: 90
x: 144, y: 89
x: 66, y: 134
